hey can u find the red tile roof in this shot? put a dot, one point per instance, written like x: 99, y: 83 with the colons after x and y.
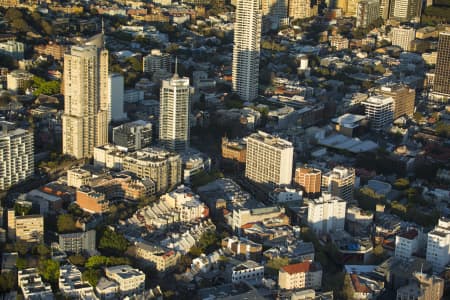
x: 359, y: 288
x: 302, y: 267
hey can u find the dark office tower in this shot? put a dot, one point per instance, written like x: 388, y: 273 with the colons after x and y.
x: 441, y: 86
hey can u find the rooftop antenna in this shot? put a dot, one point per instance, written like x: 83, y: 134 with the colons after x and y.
x: 103, y: 33
x: 175, y: 75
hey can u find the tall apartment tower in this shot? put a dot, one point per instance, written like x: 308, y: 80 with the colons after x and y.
x: 340, y: 182
x: 269, y: 159
x: 405, y: 10
x: 309, y: 179
x: 367, y: 12
x: 326, y: 214
x: 404, y: 98
x: 246, y: 49
x: 348, y: 7
x: 274, y: 12
x: 441, y: 85
x: 85, y: 119
x: 116, y: 97
x: 385, y: 6
x: 16, y: 155
x: 174, y: 111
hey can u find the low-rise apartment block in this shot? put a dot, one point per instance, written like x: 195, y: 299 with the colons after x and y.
x: 32, y: 286
x: 248, y: 271
x: 131, y: 281
x: 71, y: 284
x: 300, y: 276
x: 161, y: 258
x: 78, y: 242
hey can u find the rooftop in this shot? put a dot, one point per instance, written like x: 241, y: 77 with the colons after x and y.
x: 302, y: 267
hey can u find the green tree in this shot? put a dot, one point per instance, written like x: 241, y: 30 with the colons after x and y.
x: 66, y: 223
x: 22, y: 209
x: 42, y: 250
x: 135, y: 64
x: 7, y: 281
x: 21, y: 247
x: 274, y: 265
x: 113, y: 242
x: 49, y: 270
x: 92, y: 276
x: 77, y: 260
x: 21, y: 263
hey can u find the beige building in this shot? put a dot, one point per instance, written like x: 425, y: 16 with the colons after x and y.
x: 161, y: 166
x: 269, y: 159
x: 234, y: 150
x: 86, y: 106
x: 422, y: 287
x: 131, y: 281
x: 404, y: 99
x: 28, y: 229
x: 18, y: 80
x: 16, y: 155
x: 162, y: 259
x: 340, y: 182
x: 309, y: 179
x: 348, y: 7
x: 403, y: 37
x: 301, y: 9
x: 244, y: 216
x: 304, y: 275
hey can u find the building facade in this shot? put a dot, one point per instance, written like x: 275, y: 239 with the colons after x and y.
x: 269, y: 159
x: 304, y: 275
x: 441, y: 83
x: 406, y: 244
x: 404, y: 99
x: 174, y: 113
x: 133, y: 135
x: 340, y: 182
x: 438, y: 245
x: 156, y: 61
x: 77, y: 242
x: 309, y: 179
x: 234, y: 150
x: 380, y: 111
x: 116, y: 98
x: 84, y: 120
x: 246, y: 49
x: 16, y: 155
x: 367, y: 12
x: 12, y: 48
x: 131, y: 281
x: 403, y: 37
x: 326, y: 214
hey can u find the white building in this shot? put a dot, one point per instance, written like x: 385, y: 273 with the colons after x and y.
x: 18, y: 79
x: 16, y: 155
x: 269, y: 159
x: 71, y: 284
x: 438, y: 245
x: 131, y: 281
x: 32, y: 286
x: 406, y: 244
x: 367, y: 12
x: 107, y: 289
x: 248, y: 271
x: 246, y: 49
x: 326, y: 214
x: 339, y: 182
x: 174, y: 112
x: 284, y: 194
x: 133, y: 136
x: 116, y: 98
x: 403, y: 36
x: 380, y: 111
x: 156, y: 61
x: 12, y: 48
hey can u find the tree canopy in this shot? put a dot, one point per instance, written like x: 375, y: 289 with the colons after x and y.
x: 113, y: 242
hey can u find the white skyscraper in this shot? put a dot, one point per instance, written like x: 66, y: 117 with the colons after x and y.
x: 16, y: 155
x: 380, y: 111
x: 403, y: 37
x: 246, y: 50
x: 269, y: 159
x: 85, y: 119
x: 174, y: 111
x: 326, y: 214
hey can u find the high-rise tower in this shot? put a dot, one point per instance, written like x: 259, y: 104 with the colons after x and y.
x: 86, y: 107
x: 441, y: 85
x: 174, y: 113
x: 246, y: 50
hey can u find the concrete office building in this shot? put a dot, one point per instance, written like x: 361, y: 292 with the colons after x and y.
x: 301, y: 9
x: 379, y: 110
x: 17, y: 80
x: 116, y: 98
x: 367, y: 12
x: 156, y: 61
x: 29, y: 229
x: 174, y: 112
x: 131, y: 281
x: 16, y: 155
x: 441, y: 84
x: 304, y: 275
x: 438, y: 245
x: 340, y: 182
x: 406, y: 244
x: 422, y: 287
x: 246, y: 49
x: 269, y: 159
x: 77, y: 242
x: 309, y: 179
x: 403, y: 37
x: 14, y: 49
x: 404, y: 98
x: 85, y: 119
x: 133, y: 135
x: 326, y: 214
